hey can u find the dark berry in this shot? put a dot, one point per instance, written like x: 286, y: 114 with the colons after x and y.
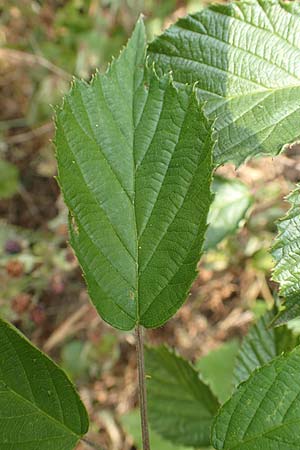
x: 12, y: 247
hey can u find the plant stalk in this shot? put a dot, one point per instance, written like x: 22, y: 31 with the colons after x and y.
x: 142, y: 386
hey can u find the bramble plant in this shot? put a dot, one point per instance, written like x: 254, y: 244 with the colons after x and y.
x: 136, y: 152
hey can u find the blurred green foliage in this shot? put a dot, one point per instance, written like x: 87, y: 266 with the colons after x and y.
x: 9, y: 179
x: 61, y: 39
x: 83, y: 360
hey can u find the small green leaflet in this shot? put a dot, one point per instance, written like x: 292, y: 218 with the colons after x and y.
x: 230, y: 206
x: 39, y: 407
x: 181, y: 407
x: 216, y: 369
x: 264, y: 412
x: 286, y: 252
x: 135, y: 170
x: 262, y: 344
x: 245, y: 58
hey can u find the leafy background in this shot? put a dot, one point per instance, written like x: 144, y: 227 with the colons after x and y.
x: 42, y: 45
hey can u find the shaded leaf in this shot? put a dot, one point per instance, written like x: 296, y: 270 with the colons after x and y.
x: 181, y: 407
x: 264, y: 413
x: 135, y: 171
x: 216, y: 369
x: 262, y: 344
x: 39, y: 407
x: 245, y: 58
x: 230, y: 206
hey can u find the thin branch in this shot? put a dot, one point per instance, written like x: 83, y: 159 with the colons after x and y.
x: 91, y: 444
x: 32, y: 59
x: 67, y: 328
x: 142, y: 387
x: 28, y: 135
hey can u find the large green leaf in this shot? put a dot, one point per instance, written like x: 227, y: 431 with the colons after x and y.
x: 245, y: 57
x: 262, y: 344
x: 286, y: 252
x: 216, y: 369
x: 135, y: 170
x: 181, y: 406
x: 39, y: 407
x: 230, y: 206
x: 264, y: 413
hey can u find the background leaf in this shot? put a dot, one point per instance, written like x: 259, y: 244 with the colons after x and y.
x: 39, y: 406
x: 287, y: 257
x: 135, y: 171
x: 262, y: 344
x: 264, y: 413
x: 9, y: 179
x: 216, y: 369
x: 181, y: 407
x: 132, y: 424
x: 230, y: 206
x: 245, y: 58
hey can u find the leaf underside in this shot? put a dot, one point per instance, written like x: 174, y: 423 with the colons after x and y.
x: 262, y: 344
x: 245, y: 57
x: 286, y: 252
x: 134, y: 160
x: 181, y: 407
x: 264, y: 413
x: 39, y: 407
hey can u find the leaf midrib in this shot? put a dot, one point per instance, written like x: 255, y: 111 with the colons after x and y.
x: 134, y: 170
x: 139, y: 235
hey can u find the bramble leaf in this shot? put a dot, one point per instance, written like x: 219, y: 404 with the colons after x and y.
x: 286, y: 252
x: 230, y: 206
x: 264, y: 412
x: 262, y: 344
x: 135, y: 170
x: 39, y: 407
x: 181, y: 407
x: 245, y: 59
